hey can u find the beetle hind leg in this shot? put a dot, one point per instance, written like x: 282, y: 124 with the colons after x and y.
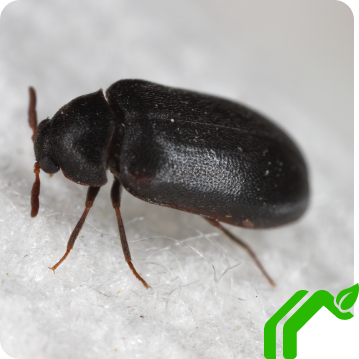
x: 244, y: 245
x: 116, y: 199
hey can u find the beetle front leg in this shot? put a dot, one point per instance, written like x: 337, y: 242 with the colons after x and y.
x: 244, y: 245
x: 116, y: 199
x: 91, y: 195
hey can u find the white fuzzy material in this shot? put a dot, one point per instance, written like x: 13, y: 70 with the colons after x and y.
x: 292, y: 62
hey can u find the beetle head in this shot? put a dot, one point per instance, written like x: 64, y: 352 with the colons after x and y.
x: 42, y: 147
x: 76, y: 140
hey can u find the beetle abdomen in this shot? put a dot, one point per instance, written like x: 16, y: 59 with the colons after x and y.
x: 208, y: 156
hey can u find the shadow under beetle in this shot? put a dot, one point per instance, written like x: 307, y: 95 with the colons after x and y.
x: 176, y: 148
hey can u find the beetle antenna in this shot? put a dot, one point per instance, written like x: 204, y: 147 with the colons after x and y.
x: 116, y: 199
x: 32, y: 112
x: 91, y: 195
x: 244, y: 245
x: 35, y: 191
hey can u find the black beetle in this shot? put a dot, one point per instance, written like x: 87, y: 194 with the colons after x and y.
x: 176, y: 148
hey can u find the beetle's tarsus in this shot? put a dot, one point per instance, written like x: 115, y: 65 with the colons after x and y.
x: 130, y: 264
x: 116, y: 200
x: 90, y: 198
x: 245, y: 246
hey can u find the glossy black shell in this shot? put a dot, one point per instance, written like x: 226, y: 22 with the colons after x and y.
x: 77, y: 139
x: 196, y: 153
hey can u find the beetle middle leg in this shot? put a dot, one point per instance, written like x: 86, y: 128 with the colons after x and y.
x: 244, y: 245
x: 116, y: 199
x: 90, y: 198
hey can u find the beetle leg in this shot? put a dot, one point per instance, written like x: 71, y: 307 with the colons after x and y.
x: 244, y: 245
x: 91, y: 195
x: 116, y: 199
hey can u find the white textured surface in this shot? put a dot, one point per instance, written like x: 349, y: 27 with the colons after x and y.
x: 292, y: 62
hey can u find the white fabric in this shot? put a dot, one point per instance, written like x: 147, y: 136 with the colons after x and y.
x: 291, y: 62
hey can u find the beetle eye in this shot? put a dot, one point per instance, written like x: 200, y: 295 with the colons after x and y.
x: 48, y: 166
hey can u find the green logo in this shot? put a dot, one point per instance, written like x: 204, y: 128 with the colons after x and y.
x: 339, y: 307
